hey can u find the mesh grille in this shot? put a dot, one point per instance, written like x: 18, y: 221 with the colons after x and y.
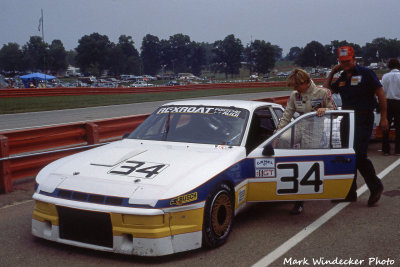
x: 85, y: 226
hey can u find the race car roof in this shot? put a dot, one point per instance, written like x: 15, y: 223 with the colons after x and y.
x: 246, y: 104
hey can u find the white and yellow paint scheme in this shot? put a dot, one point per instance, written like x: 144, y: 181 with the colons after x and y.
x: 154, y: 213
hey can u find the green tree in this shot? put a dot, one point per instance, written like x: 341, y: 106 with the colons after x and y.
x: 381, y: 49
x: 294, y: 52
x: 93, y: 53
x: 393, y: 48
x: 277, y: 52
x: 166, y: 55
x: 132, y: 64
x: 228, y: 54
x: 208, y: 53
x: 35, y: 54
x: 377, y: 49
x: 124, y: 57
x: 57, y: 61
x: 151, y: 54
x: 70, y: 57
x: 177, y: 51
x: 11, y: 57
x: 249, y: 53
x: 314, y: 54
x: 196, y: 58
x: 261, y: 56
x: 116, y: 60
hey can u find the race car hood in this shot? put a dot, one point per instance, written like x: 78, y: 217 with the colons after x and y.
x: 143, y: 171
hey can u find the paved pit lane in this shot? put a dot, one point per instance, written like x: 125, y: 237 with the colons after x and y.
x: 355, y: 233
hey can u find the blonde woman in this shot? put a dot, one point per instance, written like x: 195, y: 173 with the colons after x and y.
x: 306, y: 97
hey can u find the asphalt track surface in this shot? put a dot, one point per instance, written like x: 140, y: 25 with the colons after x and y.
x: 263, y: 234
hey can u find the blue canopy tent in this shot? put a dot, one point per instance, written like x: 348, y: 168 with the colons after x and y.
x: 36, y: 78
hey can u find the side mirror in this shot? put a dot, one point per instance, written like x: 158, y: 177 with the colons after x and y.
x: 268, y: 150
x: 126, y: 135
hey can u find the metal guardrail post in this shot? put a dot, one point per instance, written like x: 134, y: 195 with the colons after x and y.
x: 5, y: 167
x: 92, y: 133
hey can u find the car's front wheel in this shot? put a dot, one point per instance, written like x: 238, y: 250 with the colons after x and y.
x: 218, y: 216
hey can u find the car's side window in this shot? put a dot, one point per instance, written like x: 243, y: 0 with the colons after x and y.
x: 261, y: 128
x: 327, y: 132
x: 278, y: 113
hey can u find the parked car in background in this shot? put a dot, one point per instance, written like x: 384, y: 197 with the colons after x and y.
x: 112, y: 80
x: 141, y: 84
x: 282, y: 74
x: 187, y: 77
x: 172, y: 83
x: 166, y: 76
x: 127, y: 77
x: 88, y: 80
x: 3, y: 83
x: 148, y: 78
x: 79, y: 84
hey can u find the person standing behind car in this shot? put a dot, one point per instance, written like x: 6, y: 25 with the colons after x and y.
x: 357, y: 87
x: 306, y: 97
x: 391, y: 87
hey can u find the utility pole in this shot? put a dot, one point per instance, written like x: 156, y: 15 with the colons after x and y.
x: 41, y: 23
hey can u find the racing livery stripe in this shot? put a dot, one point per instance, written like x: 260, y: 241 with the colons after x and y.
x: 244, y: 169
x: 234, y: 175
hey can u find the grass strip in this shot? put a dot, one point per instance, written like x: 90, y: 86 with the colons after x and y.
x: 44, y: 103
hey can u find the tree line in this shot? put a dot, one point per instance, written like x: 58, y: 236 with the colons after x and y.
x: 95, y: 53
x: 315, y: 54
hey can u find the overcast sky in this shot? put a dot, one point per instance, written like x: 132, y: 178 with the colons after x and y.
x: 285, y: 23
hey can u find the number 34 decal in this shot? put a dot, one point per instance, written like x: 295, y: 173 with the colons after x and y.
x: 299, y: 178
x: 139, y: 169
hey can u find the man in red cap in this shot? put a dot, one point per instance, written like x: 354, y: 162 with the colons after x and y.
x: 357, y: 87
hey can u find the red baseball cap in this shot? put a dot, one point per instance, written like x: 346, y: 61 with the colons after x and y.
x: 345, y: 53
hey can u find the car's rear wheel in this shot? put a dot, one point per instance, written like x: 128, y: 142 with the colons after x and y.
x: 218, y: 216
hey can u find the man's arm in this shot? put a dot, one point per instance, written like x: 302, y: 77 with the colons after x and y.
x: 383, y: 124
x: 328, y: 81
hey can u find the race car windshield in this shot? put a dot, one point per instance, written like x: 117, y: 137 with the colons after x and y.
x: 194, y: 124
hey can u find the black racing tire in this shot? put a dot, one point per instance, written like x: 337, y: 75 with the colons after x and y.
x: 218, y: 216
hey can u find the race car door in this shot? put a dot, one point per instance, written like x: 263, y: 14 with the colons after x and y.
x: 311, y: 158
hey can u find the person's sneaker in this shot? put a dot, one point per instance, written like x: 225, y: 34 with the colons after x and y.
x: 375, y: 196
x: 297, y: 209
x: 386, y: 154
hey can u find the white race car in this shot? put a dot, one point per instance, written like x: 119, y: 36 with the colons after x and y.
x: 176, y: 182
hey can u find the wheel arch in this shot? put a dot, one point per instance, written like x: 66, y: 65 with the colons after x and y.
x: 218, y: 214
